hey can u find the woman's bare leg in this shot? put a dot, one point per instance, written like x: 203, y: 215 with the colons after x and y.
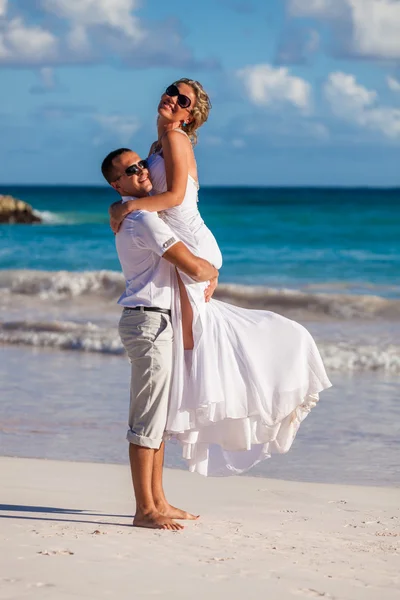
x: 187, y: 316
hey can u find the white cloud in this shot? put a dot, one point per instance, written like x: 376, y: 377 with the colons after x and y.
x: 313, y: 41
x: 385, y: 119
x: 238, y: 143
x: 3, y: 7
x: 314, y: 8
x: 269, y: 86
x: 344, y: 93
x: 62, y: 112
x: 319, y: 131
x: 78, y: 40
x: 93, y: 31
x: 47, y: 77
x: 356, y: 104
x: 275, y: 130
x: 212, y: 140
x: 88, y: 13
x: 393, y: 84
x: 21, y: 44
x: 47, y: 81
x: 364, y: 28
x: 118, y: 127
x: 376, y: 28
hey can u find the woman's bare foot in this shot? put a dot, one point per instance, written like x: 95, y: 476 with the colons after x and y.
x: 171, y: 512
x: 156, y: 520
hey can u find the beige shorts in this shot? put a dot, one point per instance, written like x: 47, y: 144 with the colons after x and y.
x: 147, y: 338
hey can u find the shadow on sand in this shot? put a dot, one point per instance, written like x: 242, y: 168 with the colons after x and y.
x: 17, y: 508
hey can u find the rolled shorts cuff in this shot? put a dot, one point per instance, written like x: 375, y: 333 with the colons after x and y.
x: 142, y: 440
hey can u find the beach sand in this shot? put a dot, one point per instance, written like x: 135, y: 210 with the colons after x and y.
x: 66, y: 533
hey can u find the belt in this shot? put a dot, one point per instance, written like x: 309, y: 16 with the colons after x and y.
x: 165, y: 311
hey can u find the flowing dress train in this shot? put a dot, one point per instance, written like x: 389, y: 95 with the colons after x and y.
x: 253, y: 375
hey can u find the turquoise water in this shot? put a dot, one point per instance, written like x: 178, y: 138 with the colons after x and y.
x: 337, y: 250
x: 345, y: 238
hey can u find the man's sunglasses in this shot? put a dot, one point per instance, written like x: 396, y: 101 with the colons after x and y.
x: 172, y: 91
x: 137, y: 167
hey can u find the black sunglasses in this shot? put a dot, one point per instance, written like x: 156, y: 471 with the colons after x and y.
x: 137, y: 167
x: 183, y: 101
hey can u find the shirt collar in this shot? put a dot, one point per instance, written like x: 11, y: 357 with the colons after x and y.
x: 126, y: 198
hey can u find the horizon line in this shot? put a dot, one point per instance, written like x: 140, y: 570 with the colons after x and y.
x: 218, y: 186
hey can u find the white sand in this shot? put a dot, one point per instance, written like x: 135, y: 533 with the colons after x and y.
x: 66, y: 534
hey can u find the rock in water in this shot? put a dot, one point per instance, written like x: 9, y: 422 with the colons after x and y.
x: 13, y: 210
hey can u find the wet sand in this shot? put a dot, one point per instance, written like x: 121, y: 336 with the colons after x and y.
x: 73, y: 406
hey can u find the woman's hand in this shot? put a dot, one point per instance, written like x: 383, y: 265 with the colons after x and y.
x: 209, y: 291
x: 118, y: 211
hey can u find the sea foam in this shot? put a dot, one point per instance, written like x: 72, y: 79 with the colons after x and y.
x: 89, y: 337
x: 59, y: 285
x: 51, y: 218
x: 107, y: 285
x: 62, y: 335
x: 26, y: 292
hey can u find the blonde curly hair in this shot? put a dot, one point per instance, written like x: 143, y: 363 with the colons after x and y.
x: 200, y: 111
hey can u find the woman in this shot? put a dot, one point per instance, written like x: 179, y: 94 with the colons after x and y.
x: 243, y: 379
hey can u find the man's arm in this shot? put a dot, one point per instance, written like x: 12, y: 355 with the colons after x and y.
x: 197, y: 268
x: 151, y: 232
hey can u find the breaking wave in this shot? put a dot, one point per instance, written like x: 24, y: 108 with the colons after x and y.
x: 62, y: 335
x: 60, y: 285
x: 50, y: 218
x: 32, y: 291
x: 88, y: 337
x: 341, y: 306
x: 63, y: 285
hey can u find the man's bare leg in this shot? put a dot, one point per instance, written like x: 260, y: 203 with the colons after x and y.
x: 160, y: 501
x: 142, y: 461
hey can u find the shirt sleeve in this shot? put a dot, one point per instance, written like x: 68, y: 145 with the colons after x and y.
x: 152, y: 233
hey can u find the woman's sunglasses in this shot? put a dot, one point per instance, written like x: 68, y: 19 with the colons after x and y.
x: 172, y: 91
x: 137, y: 167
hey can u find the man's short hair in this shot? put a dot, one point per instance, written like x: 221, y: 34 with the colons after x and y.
x: 107, y: 165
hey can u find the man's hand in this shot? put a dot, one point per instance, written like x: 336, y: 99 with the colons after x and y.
x: 197, y: 268
x: 209, y: 291
x: 115, y: 225
x: 118, y: 211
x: 115, y: 216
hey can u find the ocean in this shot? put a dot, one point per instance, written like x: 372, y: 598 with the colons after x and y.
x: 329, y: 258
x: 320, y: 239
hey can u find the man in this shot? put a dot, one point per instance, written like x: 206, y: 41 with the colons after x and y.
x: 148, y: 251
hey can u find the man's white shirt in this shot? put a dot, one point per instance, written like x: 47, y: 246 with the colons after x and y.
x: 141, y: 242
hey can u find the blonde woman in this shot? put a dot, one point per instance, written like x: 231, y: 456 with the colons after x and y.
x: 243, y: 379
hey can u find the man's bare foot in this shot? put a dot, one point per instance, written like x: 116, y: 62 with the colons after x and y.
x: 167, y: 510
x: 156, y: 520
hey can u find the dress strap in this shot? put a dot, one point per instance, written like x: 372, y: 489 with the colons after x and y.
x: 158, y: 143
x: 181, y: 131
x: 176, y: 129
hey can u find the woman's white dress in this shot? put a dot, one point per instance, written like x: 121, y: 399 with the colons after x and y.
x: 253, y: 375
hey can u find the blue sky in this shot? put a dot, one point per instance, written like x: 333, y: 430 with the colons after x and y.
x: 304, y: 92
